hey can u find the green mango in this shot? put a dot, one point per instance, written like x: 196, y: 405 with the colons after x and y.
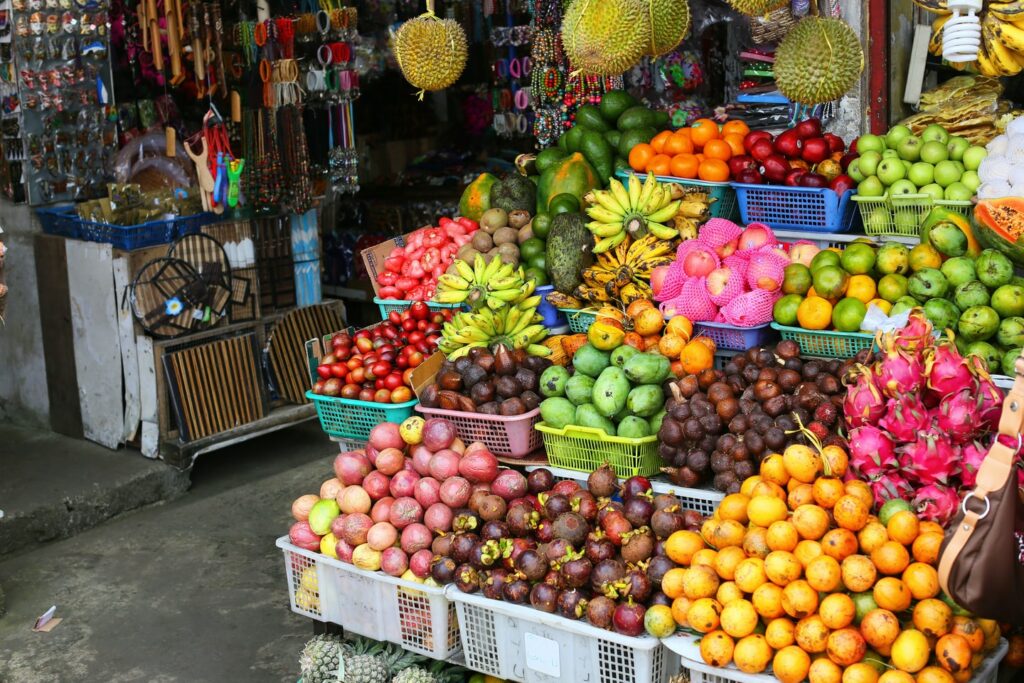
x: 611, y: 391
x: 634, y: 428
x: 476, y: 198
x: 614, y: 103
x: 553, y: 381
x: 645, y: 400
x: 647, y: 368
x: 590, y: 361
x: 622, y: 354
x: 636, y: 117
x: 557, y: 412
x: 587, y: 415
x: 579, y: 389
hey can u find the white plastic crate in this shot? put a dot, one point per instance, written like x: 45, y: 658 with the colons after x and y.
x: 372, y: 604
x: 686, y: 646
x: 522, y: 644
x: 703, y: 501
x: 827, y: 240
x: 347, y: 445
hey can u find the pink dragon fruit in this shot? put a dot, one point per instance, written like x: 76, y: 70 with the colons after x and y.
x: 912, y: 338
x: 889, y: 486
x: 990, y: 402
x: 930, y: 459
x: 905, y: 417
x: 958, y: 416
x: 899, y: 372
x: 863, y: 404
x: 946, y: 369
x: 936, y: 503
x: 971, y: 456
x: 871, y: 451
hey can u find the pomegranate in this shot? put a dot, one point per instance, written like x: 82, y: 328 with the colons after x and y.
x: 382, y: 509
x: 405, y: 511
x: 351, y: 467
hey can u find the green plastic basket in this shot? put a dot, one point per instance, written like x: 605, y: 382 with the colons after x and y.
x: 724, y: 206
x: 348, y: 418
x: 585, y: 449
x: 902, y: 215
x: 826, y: 343
x: 388, y: 305
x: 579, y: 320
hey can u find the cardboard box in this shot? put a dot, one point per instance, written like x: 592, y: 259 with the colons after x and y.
x: 423, y: 376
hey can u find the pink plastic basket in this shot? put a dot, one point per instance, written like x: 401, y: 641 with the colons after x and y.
x: 511, y: 437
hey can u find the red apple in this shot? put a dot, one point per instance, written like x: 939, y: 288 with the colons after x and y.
x: 794, y: 176
x: 814, y: 180
x: 324, y: 371
x: 788, y: 144
x: 775, y: 168
x: 332, y: 387
x: 841, y: 183
x: 835, y: 143
x: 753, y: 136
x: 738, y: 163
x: 382, y: 396
x: 809, y: 128
x: 815, y: 150
x: 844, y: 161
x: 761, y: 150
x: 751, y: 176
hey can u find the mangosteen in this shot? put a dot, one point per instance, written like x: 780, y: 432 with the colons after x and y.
x: 442, y: 569
x: 492, y: 508
x: 555, y: 504
x: 659, y: 598
x: 605, y: 573
x: 585, y: 504
x: 467, y: 578
x: 572, y: 527
x: 666, y: 522
x: 494, y: 583
x: 597, y: 547
x: 521, y: 518
x: 600, y: 611
x: 657, y: 568
x: 638, y: 585
x: 442, y: 545
x: 540, y: 480
x: 603, y: 482
x: 556, y: 550
x: 544, y: 597
x: 531, y: 565
x: 576, y: 572
x: 545, y: 531
x: 465, y: 520
x: 638, y: 545
x: 462, y: 546
x: 515, y: 590
x: 494, y: 530
x: 572, y: 604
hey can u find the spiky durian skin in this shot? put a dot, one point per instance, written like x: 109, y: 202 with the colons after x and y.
x: 755, y: 8
x: 431, y: 52
x: 605, y: 37
x: 818, y: 61
x: 670, y: 24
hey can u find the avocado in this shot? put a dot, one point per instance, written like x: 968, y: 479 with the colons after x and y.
x: 614, y: 103
x: 635, y: 117
x: 599, y: 153
x: 633, y: 137
x: 612, y: 137
x: 547, y: 158
x: 573, y: 138
x: 569, y: 250
x: 589, y: 116
x: 514, y: 192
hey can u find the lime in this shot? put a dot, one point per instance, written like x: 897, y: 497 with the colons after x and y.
x: 538, y: 275
x: 785, y: 308
x: 540, y: 262
x: 858, y: 258
x: 541, y: 225
x: 864, y: 602
x: 563, y: 203
x: 825, y: 257
x: 830, y: 282
x: 891, y: 507
x: 531, y: 249
x: 797, y: 279
x: 892, y: 286
x: 849, y: 314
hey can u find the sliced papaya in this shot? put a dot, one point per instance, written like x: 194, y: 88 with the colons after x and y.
x: 999, y: 224
x: 941, y: 215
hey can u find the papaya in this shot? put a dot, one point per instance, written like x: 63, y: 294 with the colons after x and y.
x: 941, y: 216
x: 476, y: 198
x: 549, y: 157
x: 572, y: 175
x: 999, y: 224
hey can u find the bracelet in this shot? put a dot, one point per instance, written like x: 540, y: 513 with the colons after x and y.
x: 515, y: 67
x: 527, y: 67
x: 505, y: 99
x: 522, y: 124
x: 522, y: 99
x: 501, y: 68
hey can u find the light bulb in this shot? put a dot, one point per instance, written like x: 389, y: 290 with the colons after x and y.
x: 961, y: 34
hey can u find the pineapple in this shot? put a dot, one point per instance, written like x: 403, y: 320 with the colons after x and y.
x: 681, y: 677
x: 414, y: 674
x: 365, y: 661
x: 319, y: 659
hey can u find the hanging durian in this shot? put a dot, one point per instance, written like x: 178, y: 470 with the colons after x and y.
x: 756, y: 8
x: 818, y: 61
x: 606, y: 37
x: 431, y: 51
x: 670, y: 23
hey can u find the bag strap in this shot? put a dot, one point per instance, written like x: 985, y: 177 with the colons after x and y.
x: 993, y: 474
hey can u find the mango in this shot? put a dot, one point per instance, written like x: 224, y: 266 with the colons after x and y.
x: 645, y: 400
x: 557, y: 412
x: 656, y: 421
x: 611, y: 391
x: 605, y: 336
x: 590, y: 361
x: 588, y: 416
x: 634, y: 428
x: 579, y: 389
x: 647, y: 368
x: 553, y: 381
x: 623, y: 354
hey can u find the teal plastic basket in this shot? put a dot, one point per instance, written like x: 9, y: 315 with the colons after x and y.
x: 724, y: 206
x: 388, y: 305
x: 347, y: 418
x: 579, y: 320
x: 826, y: 343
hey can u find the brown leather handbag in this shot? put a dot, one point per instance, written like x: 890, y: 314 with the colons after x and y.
x: 981, y: 565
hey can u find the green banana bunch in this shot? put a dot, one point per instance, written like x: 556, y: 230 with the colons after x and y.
x: 493, y: 284
x: 517, y: 326
x: 632, y: 210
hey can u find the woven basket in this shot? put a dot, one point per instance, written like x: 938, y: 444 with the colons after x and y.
x: 773, y: 26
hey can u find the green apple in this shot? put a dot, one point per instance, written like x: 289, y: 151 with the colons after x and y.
x: 971, y: 180
x: 907, y: 165
x: 910, y: 148
x: 890, y: 154
x: 973, y: 156
x: 878, y: 218
x: 935, y: 132
x: 957, y: 146
x: 933, y: 152
x: 934, y: 190
x: 870, y: 143
x: 890, y: 170
x: 896, y: 135
x: 902, y: 187
x: 853, y: 170
x: 959, y: 166
x: 921, y: 174
x: 869, y: 162
x: 958, y: 192
x: 946, y: 173
x: 871, y: 187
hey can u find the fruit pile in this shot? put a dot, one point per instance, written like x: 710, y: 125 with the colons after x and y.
x: 500, y: 236
x: 376, y: 363
x: 568, y: 550
x: 1002, y: 172
x: 727, y: 274
x: 936, y: 164
x: 703, y: 151
x: 623, y: 274
x: 411, y: 272
x: 795, y: 573
x: 723, y: 422
x: 801, y: 156
x: 503, y: 383
x: 921, y: 418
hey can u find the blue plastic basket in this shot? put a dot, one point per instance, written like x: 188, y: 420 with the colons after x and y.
x: 59, y: 220
x: 388, y: 305
x: 65, y: 222
x: 348, y: 418
x: 733, y: 338
x: 796, y: 208
x: 723, y: 193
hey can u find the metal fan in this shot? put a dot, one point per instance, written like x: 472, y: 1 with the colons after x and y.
x: 169, y: 298
x: 210, y: 260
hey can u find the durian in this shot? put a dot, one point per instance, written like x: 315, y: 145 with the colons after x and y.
x: 756, y: 8
x: 605, y: 37
x: 431, y: 52
x: 818, y: 60
x: 670, y: 23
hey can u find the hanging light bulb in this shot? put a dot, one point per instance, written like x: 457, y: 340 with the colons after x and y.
x: 961, y: 34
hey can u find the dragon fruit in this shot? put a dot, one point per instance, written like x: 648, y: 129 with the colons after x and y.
x: 912, y: 338
x: 899, y: 373
x: 889, y: 486
x: 871, y: 451
x: 930, y: 459
x: 958, y: 416
x: 990, y: 402
x: 946, y: 369
x: 971, y: 456
x: 863, y: 404
x: 936, y: 503
x: 905, y: 416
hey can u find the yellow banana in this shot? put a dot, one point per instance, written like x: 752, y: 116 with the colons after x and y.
x: 511, y: 316
x: 986, y: 66
x: 619, y: 193
x: 603, y: 215
x: 1007, y: 11
x: 935, y: 42
x: 607, y: 243
x: 648, y: 188
x: 692, y: 209
x: 465, y: 270
x: 666, y: 213
x: 1009, y: 33
x: 449, y: 281
x: 635, y: 189
x: 507, y: 282
x: 662, y: 231
x: 933, y: 6
x: 538, y: 350
x: 605, y: 200
x: 653, y: 202
x: 1003, y: 57
x: 451, y: 296
x: 505, y: 296
x: 597, y: 276
x: 604, y: 229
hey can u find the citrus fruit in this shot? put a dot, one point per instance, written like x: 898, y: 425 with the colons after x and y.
x: 796, y: 279
x: 716, y: 648
x: 892, y: 286
x: 825, y: 257
x: 858, y: 258
x: 786, y: 309
x: 882, y: 304
x: 659, y: 622
x: 890, y: 508
x: 752, y: 654
x: 531, y: 248
x: 848, y: 314
x: 830, y: 282
x: 791, y: 664
x: 910, y: 651
x: 541, y: 225
x: 564, y: 203
x: 924, y: 256
x: 862, y: 288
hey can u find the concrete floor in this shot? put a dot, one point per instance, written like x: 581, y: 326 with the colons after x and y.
x: 190, y: 590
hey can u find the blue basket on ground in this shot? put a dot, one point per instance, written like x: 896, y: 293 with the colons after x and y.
x: 724, y: 195
x: 796, y: 208
x: 732, y: 338
x: 348, y: 418
x: 65, y: 222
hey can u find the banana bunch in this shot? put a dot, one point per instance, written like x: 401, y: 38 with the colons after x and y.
x: 1002, y: 37
x: 561, y: 300
x: 492, y: 284
x: 636, y: 210
x: 517, y: 326
x: 624, y: 273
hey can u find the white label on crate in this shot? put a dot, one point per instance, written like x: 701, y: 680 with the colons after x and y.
x: 542, y: 655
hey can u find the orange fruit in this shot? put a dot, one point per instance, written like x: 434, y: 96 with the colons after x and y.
x: 936, y: 674
x: 811, y: 522
x: 846, y: 646
x: 799, y: 599
x: 718, y: 149
x: 851, y: 513
x: 727, y: 532
x: 802, y: 463
x: 713, y: 170
x: 824, y: 573
x: 782, y: 535
x: 728, y: 592
x: 837, y: 610
x: 953, y: 653
x: 824, y: 670
x: 780, y: 633
x: 839, y: 543
x: 763, y: 510
x: 706, y: 341
x: 735, y: 142
x: 703, y: 131
x: 892, y: 594
x: 800, y: 494
x: 750, y: 574
x: 837, y: 462
x: 672, y: 582
x: 637, y: 306
x: 891, y: 558
x: 970, y: 630
x: 861, y: 672
x: 752, y: 654
x: 716, y: 648
x: 827, y: 491
x: 680, y: 326
x: 903, y: 527
x: 931, y: 528
x: 681, y: 546
x: 926, y: 547
x: 735, y: 127
x: 648, y: 321
x: 696, y: 357
x: 880, y: 628
x: 660, y: 164
x: 812, y: 634
x: 705, y: 557
x: 859, y: 489
x: 640, y: 156
x: 773, y: 469
x: 806, y: 551
x: 680, y: 606
x: 933, y: 617
x: 700, y: 582
x: 755, y: 542
x: 739, y: 619
x: 671, y: 345
x: 767, y: 601
x: 782, y: 567
x: 859, y: 573
x: 678, y: 144
x: 814, y: 313
x: 658, y: 141
x: 871, y: 536
x: 749, y: 484
x: 684, y: 165
x: 703, y: 615
x: 791, y: 664
x: 734, y: 506
x: 922, y: 580
x: 726, y: 561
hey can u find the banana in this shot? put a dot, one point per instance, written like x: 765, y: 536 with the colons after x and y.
x: 619, y: 193
x: 635, y: 189
x: 603, y: 199
x: 986, y: 66
x: 662, y: 231
x: 604, y: 229
x: 603, y: 215
x: 452, y: 296
x: 654, y: 200
x: 1004, y: 58
x: 538, y: 350
x: 450, y: 281
x: 694, y: 209
x: 935, y: 42
x: 500, y: 283
x: 1006, y: 11
x: 607, y: 243
x: 493, y: 267
x: 511, y: 316
x: 464, y: 270
x: 597, y: 276
x: 933, y: 6
x: 479, y: 268
x: 1011, y: 33
x: 505, y: 296
x: 665, y: 213
x: 648, y: 188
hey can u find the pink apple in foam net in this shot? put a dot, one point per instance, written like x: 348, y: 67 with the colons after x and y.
x: 718, y: 280
x: 728, y: 249
x: 803, y: 253
x: 658, y: 276
x: 755, y: 236
x: 698, y: 263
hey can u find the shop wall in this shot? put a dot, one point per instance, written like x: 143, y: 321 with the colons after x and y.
x: 23, y: 397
